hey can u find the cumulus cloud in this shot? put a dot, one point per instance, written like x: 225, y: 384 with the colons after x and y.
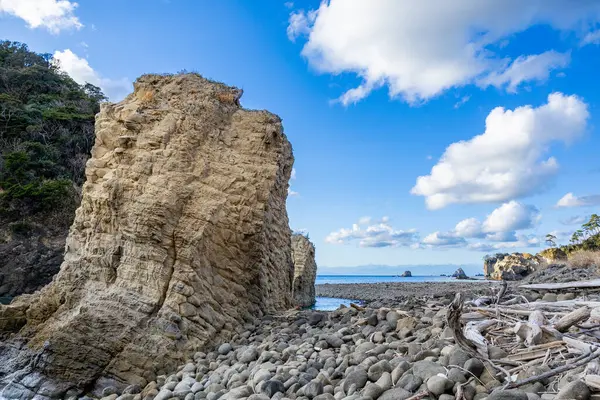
x: 511, y: 216
x: 440, y: 239
x: 570, y: 200
x: 420, y: 49
x: 591, y: 38
x: 54, y: 15
x: 499, y: 229
x: 527, y: 68
x: 81, y: 72
x: 509, y: 159
x: 379, y: 234
x: 575, y: 220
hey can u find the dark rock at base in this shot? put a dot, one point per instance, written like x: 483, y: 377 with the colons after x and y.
x: 406, y: 274
x: 272, y: 386
x: 460, y: 274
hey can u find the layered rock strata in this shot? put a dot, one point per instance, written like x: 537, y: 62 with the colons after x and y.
x: 305, y: 271
x: 181, y: 234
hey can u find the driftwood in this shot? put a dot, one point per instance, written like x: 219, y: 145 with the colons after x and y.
x: 572, y: 318
x: 594, y: 283
x: 579, y: 361
x: 501, y: 292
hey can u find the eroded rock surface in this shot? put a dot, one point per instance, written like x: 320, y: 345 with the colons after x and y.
x: 181, y: 234
x: 511, y: 267
x: 305, y: 271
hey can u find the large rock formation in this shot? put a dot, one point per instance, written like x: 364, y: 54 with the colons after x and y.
x: 553, y: 255
x: 181, y: 234
x: 511, y: 267
x: 305, y: 271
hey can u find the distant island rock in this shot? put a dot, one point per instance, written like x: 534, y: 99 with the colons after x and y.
x: 406, y: 274
x: 460, y: 274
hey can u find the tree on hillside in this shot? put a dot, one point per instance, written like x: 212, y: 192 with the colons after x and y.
x: 551, y: 240
x: 46, y: 134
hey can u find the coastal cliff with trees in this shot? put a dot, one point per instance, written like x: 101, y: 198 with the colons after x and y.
x: 46, y: 134
x: 582, y: 252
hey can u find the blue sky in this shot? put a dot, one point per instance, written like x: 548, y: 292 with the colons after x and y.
x: 374, y: 95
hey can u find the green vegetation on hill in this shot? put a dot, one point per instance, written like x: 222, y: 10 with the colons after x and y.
x: 46, y: 134
x: 586, y: 238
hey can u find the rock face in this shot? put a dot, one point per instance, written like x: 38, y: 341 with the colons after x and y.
x: 460, y: 274
x: 29, y: 261
x: 511, y: 267
x: 182, y: 233
x: 553, y: 255
x: 406, y: 274
x: 305, y: 271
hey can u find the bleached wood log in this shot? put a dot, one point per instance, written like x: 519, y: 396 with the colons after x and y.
x: 565, y: 285
x: 581, y: 314
x: 593, y: 382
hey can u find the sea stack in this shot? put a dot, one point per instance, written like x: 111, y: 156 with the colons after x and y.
x: 182, y: 234
x: 305, y: 271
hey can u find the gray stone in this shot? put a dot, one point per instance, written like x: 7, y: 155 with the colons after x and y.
x: 258, y: 396
x: 376, y: 370
x: 439, y: 384
x: 132, y: 389
x: 107, y: 391
x: 446, y: 397
x: 164, y: 394
x: 225, y: 348
x: 334, y: 341
x: 385, y: 381
x: 456, y: 375
x: 458, y: 357
x: 313, y: 389
x: 395, y: 394
x: 409, y: 382
x: 248, y: 355
x: 474, y: 366
x: 357, y: 377
x: 272, y: 386
x: 576, y: 390
x: 196, y: 387
x: 324, y: 396
x: 372, y: 390
x: 425, y: 369
x: 513, y: 394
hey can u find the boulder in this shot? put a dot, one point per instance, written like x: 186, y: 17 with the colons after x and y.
x: 305, y: 271
x: 460, y: 274
x: 553, y: 255
x: 511, y: 267
x: 182, y: 233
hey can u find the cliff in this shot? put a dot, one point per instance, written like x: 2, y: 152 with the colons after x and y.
x: 511, y: 267
x: 305, y: 271
x: 182, y: 233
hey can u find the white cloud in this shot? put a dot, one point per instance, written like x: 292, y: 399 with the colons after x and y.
x: 575, y: 220
x: 570, y: 200
x: 511, y: 216
x: 527, y: 68
x: 81, y: 72
x: 469, y: 228
x: 364, y: 220
x: 292, y: 193
x: 499, y: 229
x: 54, y: 15
x: 462, y: 101
x: 420, y: 49
x: 591, y: 38
x: 509, y: 159
x: 440, y: 239
x: 380, y: 234
x: 299, y: 24
x: 293, y: 176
